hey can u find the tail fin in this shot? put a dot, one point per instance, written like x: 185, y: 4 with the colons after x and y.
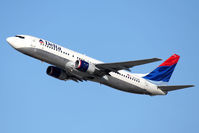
x: 163, y: 72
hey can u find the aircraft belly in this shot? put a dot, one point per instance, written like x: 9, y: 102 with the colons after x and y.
x: 61, y: 62
x: 123, y: 86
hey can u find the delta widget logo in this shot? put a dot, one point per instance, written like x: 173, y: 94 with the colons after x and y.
x: 41, y: 42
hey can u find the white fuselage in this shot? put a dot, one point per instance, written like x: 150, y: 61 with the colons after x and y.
x: 64, y: 58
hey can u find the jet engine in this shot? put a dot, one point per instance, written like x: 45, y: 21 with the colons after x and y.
x: 84, y: 66
x: 57, y: 73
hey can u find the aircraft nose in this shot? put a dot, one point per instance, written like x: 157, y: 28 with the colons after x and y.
x: 12, y: 41
x: 9, y: 40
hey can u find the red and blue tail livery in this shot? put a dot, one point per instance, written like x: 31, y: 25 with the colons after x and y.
x: 163, y: 72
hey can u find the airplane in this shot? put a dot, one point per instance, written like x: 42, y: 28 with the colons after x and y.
x: 70, y: 65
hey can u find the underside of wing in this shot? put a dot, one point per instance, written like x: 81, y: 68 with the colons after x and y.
x: 108, y: 67
x: 174, y: 87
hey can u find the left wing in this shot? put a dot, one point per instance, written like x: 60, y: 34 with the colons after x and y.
x: 108, y: 67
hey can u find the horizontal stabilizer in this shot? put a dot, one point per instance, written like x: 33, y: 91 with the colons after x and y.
x: 174, y: 87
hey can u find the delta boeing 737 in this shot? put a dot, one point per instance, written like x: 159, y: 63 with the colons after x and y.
x: 70, y: 65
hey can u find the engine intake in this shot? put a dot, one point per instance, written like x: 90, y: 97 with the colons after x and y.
x: 84, y: 66
x: 57, y: 73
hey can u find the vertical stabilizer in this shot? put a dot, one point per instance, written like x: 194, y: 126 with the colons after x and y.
x: 163, y: 72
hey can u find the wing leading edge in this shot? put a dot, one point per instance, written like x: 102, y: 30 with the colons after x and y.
x: 108, y: 67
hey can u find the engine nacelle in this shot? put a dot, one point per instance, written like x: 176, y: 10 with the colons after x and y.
x: 84, y: 66
x: 57, y: 73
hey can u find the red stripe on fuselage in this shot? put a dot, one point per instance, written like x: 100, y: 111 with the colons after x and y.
x: 171, y: 61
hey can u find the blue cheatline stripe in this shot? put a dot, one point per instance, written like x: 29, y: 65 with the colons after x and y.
x: 162, y: 73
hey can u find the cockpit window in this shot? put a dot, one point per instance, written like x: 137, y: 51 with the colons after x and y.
x: 22, y: 37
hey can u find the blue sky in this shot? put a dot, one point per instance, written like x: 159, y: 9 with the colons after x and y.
x: 108, y: 30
